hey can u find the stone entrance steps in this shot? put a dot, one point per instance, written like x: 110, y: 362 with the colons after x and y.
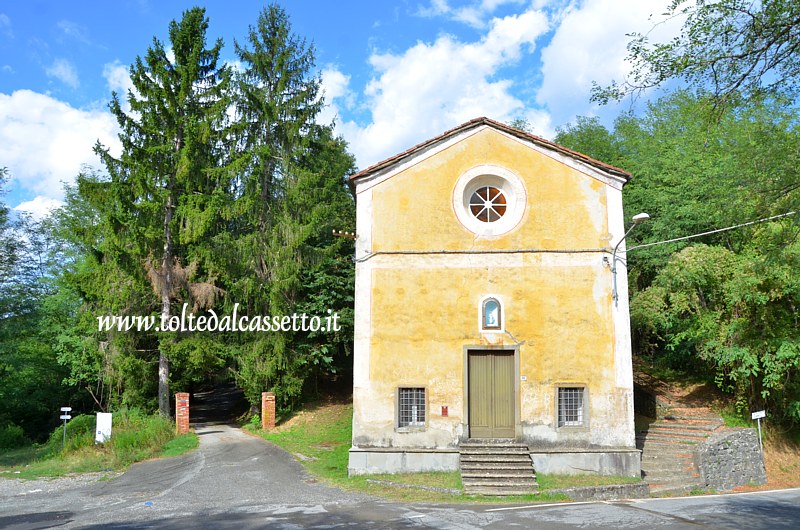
x: 668, y: 446
x: 496, y: 467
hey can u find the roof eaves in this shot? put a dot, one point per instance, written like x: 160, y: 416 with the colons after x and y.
x: 476, y: 122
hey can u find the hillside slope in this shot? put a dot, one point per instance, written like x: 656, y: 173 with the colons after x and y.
x: 673, y: 409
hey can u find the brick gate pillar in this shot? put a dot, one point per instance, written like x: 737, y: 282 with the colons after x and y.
x: 182, y: 412
x: 267, y: 410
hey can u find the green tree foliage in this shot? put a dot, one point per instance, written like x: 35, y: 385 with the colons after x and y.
x: 590, y: 137
x: 692, y: 175
x: 291, y: 195
x: 9, y: 252
x: 168, y: 189
x: 224, y: 197
x: 33, y: 313
x: 730, y: 47
x: 734, y: 315
x: 113, y: 367
x: 722, y: 305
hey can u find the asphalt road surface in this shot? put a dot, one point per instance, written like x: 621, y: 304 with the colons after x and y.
x: 240, y: 482
x: 236, y: 481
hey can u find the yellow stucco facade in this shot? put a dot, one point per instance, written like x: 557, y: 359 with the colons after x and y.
x: 425, y: 268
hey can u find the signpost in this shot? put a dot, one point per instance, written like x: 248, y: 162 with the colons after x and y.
x: 65, y: 417
x: 757, y: 416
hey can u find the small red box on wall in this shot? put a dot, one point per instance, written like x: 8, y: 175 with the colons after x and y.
x: 444, y: 410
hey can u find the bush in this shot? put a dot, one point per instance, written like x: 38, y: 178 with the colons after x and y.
x: 80, y: 433
x: 137, y: 435
x: 12, y: 436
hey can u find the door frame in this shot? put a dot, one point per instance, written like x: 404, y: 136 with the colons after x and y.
x: 483, y: 347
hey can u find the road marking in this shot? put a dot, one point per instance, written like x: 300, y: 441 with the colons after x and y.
x: 543, y: 506
x: 305, y: 510
x: 734, y: 494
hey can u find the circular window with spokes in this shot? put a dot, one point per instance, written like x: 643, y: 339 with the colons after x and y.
x: 488, y: 204
x: 489, y: 200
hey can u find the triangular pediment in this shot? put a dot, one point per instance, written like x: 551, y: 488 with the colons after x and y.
x: 396, y: 164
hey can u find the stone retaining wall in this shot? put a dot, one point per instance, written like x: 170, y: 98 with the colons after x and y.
x: 731, y: 458
x: 612, y: 492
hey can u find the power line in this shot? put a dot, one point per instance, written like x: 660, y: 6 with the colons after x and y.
x: 787, y: 214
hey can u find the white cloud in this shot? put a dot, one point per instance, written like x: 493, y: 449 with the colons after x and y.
x: 63, y: 70
x: 590, y: 44
x: 335, y: 83
x: 5, y: 26
x: 44, y: 141
x: 236, y: 66
x: 432, y: 87
x: 437, y: 8
x: 39, y: 207
x: 540, y: 122
x: 474, y: 14
x: 471, y: 16
x: 117, y: 78
x: 74, y: 31
x: 337, y: 93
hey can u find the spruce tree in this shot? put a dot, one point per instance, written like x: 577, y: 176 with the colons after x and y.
x: 167, y: 187
x: 292, y: 193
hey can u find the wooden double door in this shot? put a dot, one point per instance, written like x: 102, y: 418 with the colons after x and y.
x: 491, y: 393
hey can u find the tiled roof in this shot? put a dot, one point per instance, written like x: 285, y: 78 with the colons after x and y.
x: 478, y: 122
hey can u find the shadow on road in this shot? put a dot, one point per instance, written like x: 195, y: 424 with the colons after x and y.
x: 217, y: 405
x: 34, y: 521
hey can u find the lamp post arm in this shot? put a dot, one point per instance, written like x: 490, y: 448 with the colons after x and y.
x: 615, y: 294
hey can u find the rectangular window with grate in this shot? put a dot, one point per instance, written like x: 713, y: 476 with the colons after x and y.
x: 570, y: 407
x: 411, y: 407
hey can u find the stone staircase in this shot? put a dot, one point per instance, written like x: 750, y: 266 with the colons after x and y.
x: 668, y: 446
x: 496, y: 467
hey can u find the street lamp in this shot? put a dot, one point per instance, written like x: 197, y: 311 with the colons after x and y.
x: 638, y: 218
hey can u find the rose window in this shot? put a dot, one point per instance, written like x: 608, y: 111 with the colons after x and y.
x: 488, y: 204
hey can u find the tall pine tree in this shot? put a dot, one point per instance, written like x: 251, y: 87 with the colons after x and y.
x: 167, y: 188
x: 291, y: 194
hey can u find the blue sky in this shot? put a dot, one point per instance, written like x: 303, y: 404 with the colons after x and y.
x: 395, y: 73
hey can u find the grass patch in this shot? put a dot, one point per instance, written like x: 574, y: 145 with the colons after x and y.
x: 701, y: 491
x: 734, y: 418
x: 24, y: 455
x: 136, y: 436
x: 320, y: 438
x: 180, y: 445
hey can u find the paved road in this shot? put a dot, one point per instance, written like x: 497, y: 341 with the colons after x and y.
x: 235, y: 481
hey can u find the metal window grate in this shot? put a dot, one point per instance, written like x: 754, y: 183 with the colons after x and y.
x: 488, y: 204
x: 412, y: 407
x: 570, y: 407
